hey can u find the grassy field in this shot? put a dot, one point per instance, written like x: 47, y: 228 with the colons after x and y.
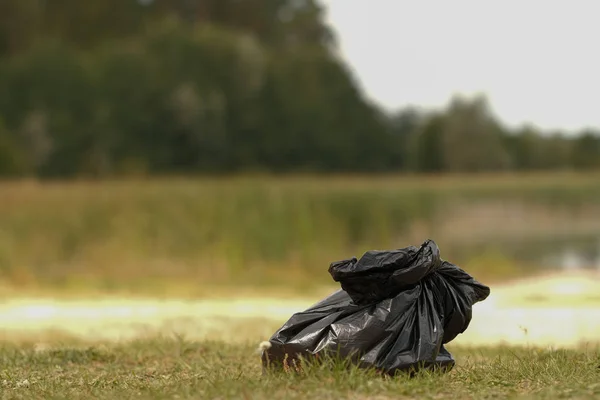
x: 180, y: 369
x: 182, y: 236
x: 275, y: 236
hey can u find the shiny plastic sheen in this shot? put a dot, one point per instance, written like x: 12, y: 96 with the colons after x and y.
x: 395, y: 312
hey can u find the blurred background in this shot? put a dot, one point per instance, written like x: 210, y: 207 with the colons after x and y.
x: 196, y: 148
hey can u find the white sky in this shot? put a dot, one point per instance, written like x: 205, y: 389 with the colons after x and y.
x: 538, y: 61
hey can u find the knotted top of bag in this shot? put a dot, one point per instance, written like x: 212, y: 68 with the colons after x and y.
x: 382, y: 274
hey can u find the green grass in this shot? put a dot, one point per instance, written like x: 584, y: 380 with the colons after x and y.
x: 180, y: 369
x: 165, y: 236
x: 204, y: 236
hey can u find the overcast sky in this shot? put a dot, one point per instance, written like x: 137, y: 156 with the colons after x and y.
x: 537, y: 61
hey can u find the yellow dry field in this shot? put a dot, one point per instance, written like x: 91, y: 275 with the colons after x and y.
x: 557, y: 311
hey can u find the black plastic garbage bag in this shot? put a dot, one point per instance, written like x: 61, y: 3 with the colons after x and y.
x: 395, y: 312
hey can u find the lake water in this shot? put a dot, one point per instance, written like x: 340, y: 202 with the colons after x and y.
x: 573, y: 256
x: 549, y: 254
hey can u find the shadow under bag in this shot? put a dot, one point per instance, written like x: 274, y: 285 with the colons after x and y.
x: 395, y: 312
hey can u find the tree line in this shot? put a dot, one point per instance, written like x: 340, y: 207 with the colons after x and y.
x: 119, y: 87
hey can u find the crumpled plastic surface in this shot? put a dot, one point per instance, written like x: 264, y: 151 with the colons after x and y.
x: 395, y: 312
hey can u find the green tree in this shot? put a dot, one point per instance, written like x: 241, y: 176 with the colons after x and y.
x: 316, y: 118
x: 12, y: 160
x: 178, y: 86
x: 404, y: 126
x: 555, y: 151
x: 86, y: 24
x: 472, y: 139
x: 428, y: 154
x: 45, y: 99
x: 281, y: 23
x: 20, y: 22
x: 524, y: 147
x: 586, y: 150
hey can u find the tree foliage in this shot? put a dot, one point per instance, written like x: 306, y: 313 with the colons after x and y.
x: 186, y: 86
